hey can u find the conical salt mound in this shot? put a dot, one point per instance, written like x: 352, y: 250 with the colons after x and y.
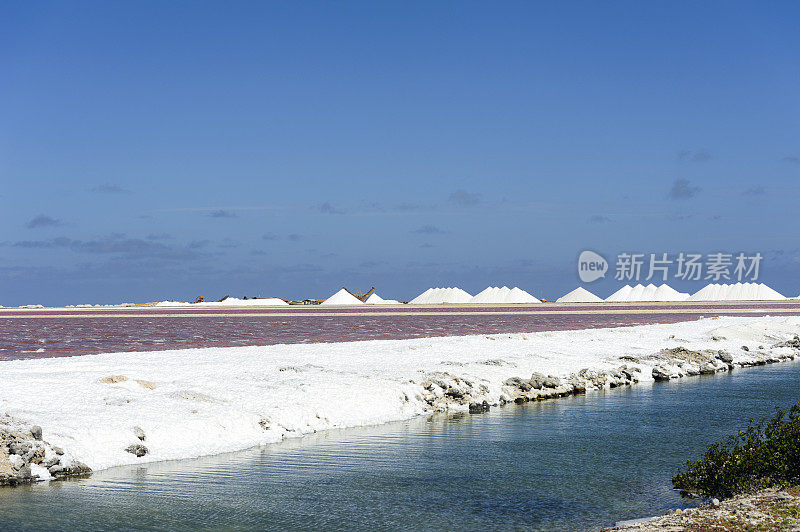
x: 342, y: 297
x: 518, y: 295
x: 621, y: 294
x: 419, y: 300
x: 579, y: 295
x: 375, y: 299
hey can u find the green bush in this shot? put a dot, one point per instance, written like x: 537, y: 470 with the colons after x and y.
x: 763, y: 455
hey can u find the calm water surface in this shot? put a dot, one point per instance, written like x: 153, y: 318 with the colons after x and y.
x: 572, y: 464
x: 55, y: 336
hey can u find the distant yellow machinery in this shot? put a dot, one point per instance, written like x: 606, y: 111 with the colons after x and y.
x: 358, y: 295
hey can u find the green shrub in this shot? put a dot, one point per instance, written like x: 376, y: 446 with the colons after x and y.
x: 765, y: 454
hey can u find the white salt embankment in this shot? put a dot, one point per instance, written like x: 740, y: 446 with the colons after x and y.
x: 127, y: 408
x: 228, y: 302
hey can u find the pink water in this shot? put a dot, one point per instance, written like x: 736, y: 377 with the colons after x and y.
x: 54, y: 334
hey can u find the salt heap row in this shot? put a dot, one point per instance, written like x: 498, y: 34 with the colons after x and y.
x: 650, y: 292
x: 505, y: 294
x: 737, y: 292
x: 438, y: 296
x: 579, y: 295
x: 228, y: 302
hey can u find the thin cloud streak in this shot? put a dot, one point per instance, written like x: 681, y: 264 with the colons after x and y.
x: 43, y: 220
x: 109, y: 188
x: 682, y: 189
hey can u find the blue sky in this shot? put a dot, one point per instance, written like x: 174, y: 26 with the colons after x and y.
x: 154, y: 150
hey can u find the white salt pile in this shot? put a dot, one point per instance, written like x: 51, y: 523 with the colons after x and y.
x: 342, y: 297
x: 650, y: 292
x: 737, y: 292
x: 518, y: 295
x: 667, y: 293
x: 491, y: 294
x: 579, y: 295
x: 173, y: 304
x: 505, y: 294
x: 375, y: 299
x: 228, y: 302
x: 438, y: 296
x: 620, y: 295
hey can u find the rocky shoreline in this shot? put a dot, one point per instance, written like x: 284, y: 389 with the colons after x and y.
x: 25, y: 457
x: 444, y: 391
x: 770, y: 509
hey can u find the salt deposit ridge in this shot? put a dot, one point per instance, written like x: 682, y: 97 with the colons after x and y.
x: 500, y: 296
x: 188, y: 403
x: 737, y: 292
x: 438, y: 296
x: 650, y: 292
x: 228, y: 302
x: 494, y: 294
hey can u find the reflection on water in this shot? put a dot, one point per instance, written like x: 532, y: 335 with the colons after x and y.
x: 575, y: 463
